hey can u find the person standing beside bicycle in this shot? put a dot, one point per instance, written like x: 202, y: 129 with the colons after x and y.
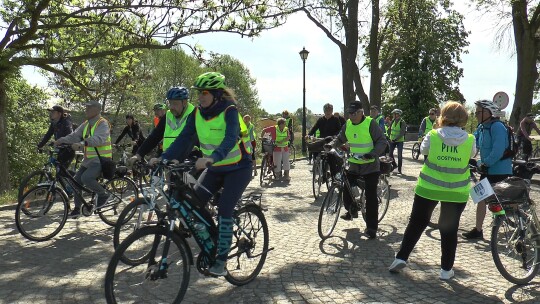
x: 134, y: 131
x: 492, y: 142
x: 60, y: 126
x: 367, y: 142
x: 226, y: 158
x: 280, y: 136
x: 444, y: 178
x: 289, y: 124
x: 93, y: 136
x: 397, y: 130
x: 252, y: 137
x: 170, y: 126
x: 327, y: 125
x: 526, y: 125
x: 428, y: 123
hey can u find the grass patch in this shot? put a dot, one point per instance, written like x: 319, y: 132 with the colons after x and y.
x: 8, y: 198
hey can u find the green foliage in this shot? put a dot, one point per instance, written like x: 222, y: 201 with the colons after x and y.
x: 27, y: 122
x: 426, y: 71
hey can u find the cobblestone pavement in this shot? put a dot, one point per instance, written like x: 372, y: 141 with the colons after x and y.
x: 346, y: 268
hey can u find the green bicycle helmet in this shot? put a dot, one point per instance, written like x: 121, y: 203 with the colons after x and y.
x: 209, y: 81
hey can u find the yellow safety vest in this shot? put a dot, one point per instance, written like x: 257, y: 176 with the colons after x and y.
x: 244, y: 133
x: 359, y: 140
x: 211, y: 133
x: 281, y: 137
x: 174, y: 126
x: 429, y: 126
x: 104, y: 150
x: 396, y: 128
x: 445, y: 173
x: 251, y: 132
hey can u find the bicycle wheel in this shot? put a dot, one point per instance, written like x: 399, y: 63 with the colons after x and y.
x: 536, y: 153
x: 142, y: 283
x: 122, y: 191
x: 250, y: 245
x: 292, y: 154
x: 515, y: 252
x: 415, y: 150
x: 329, y: 214
x: 134, y: 216
x: 383, y: 196
x: 316, y: 180
x: 263, y: 170
x: 41, y: 214
x: 32, y: 180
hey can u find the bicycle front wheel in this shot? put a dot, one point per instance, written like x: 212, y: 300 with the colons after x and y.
x: 41, y: 213
x: 316, y: 180
x: 416, y: 150
x: 515, y: 252
x: 145, y: 282
x: 250, y: 245
x: 383, y: 196
x: 122, y: 191
x: 329, y: 214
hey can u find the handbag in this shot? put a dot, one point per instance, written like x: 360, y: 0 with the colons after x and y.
x: 108, y: 166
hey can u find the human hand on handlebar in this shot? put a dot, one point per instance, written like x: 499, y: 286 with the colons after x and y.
x: 203, y: 163
x: 154, y: 161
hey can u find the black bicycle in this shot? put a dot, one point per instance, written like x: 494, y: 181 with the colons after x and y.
x: 42, y: 212
x: 161, y: 273
x: 331, y: 206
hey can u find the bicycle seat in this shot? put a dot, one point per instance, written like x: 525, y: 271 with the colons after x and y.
x: 121, y: 171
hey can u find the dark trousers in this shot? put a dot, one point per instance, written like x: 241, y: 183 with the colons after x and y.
x: 448, y: 227
x: 399, y: 146
x: 527, y: 147
x: 372, y: 207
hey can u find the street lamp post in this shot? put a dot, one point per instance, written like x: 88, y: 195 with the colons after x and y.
x: 303, y: 54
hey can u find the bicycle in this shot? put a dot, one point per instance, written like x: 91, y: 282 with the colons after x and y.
x: 292, y: 153
x: 331, y: 206
x: 321, y: 174
x: 267, y: 162
x: 535, y: 152
x: 165, y: 257
x: 515, y: 235
x: 42, y: 212
x: 44, y: 175
x: 416, y: 148
x: 139, y: 173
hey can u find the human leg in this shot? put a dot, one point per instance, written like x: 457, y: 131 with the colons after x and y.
x: 278, y: 156
x: 286, y: 165
x: 372, y: 205
x: 448, y: 226
x: 400, y: 155
x: 89, y: 179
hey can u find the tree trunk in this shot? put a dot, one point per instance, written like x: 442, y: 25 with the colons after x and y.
x: 347, y: 78
x: 375, y: 90
x: 4, y: 163
x: 527, y: 50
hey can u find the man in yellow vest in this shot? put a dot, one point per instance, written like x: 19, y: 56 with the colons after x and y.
x: 367, y: 142
x: 169, y: 126
x: 289, y: 124
x: 427, y: 123
x: 397, y: 137
x: 251, y: 137
x: 93, y: 136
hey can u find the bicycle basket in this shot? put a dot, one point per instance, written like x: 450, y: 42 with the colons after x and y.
x: 267, y: 146
x: 316, y: 146
x: 386, y: 165
x: 512, y: 190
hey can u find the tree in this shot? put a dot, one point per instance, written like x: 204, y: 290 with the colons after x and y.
x: 525, y: 16
x: 426, y: 71
x: 55, y: 36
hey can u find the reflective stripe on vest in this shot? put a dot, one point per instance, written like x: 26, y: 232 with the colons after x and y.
x: 359, y: 140
x: 281, y: 137
x: 395, y: 130
x: 174, y: 126
x: 211, y: 133
x: 104, y: 150
x: 445, y: 173
x: 429, y: 125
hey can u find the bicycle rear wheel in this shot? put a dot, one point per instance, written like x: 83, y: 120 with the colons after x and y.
x: 264, y: 168
x: 122, y: 191
x: 31, y: 181
x: 250, y: 245
x: 140, y: 283
x: 383, y: 196
x: 329, y: 214
x: 515, y: 252
x: 415, y: 150
x: 41, y: 214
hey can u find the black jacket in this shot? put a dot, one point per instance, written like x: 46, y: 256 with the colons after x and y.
x: 61, y: 128
x: 134, y: 132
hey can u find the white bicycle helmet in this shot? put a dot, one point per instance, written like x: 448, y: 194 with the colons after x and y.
x: 488, y: 104
x: 398, y: 111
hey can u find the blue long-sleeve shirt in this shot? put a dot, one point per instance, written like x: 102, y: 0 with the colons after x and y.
x: 232, y: 133
x: 492, y: 141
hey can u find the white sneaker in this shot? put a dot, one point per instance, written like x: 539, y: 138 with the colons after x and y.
x: 397, y: 265
x: 447, y: 274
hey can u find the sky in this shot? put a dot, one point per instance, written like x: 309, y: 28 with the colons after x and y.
x: 274, y: 61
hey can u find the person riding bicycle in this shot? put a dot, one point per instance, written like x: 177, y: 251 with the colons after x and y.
x: 367, y: 142
x: 492, y: 142
x: 133, y: 130
x: 280, y: 136
x: 526, y: 125
x: 444, y: 178
x: 397, y: 137
x: 170, y: 126
x: 60, y: 126
x: 252, y: 137
x: 226, y: 157
x: 93, y: 136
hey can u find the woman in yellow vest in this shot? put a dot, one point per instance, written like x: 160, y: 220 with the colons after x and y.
x: 396, y: 137
x: 226, y: 158
x: 444, y: 178
x: 280, y: 136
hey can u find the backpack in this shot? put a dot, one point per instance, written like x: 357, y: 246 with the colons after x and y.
x: 512, y: 148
